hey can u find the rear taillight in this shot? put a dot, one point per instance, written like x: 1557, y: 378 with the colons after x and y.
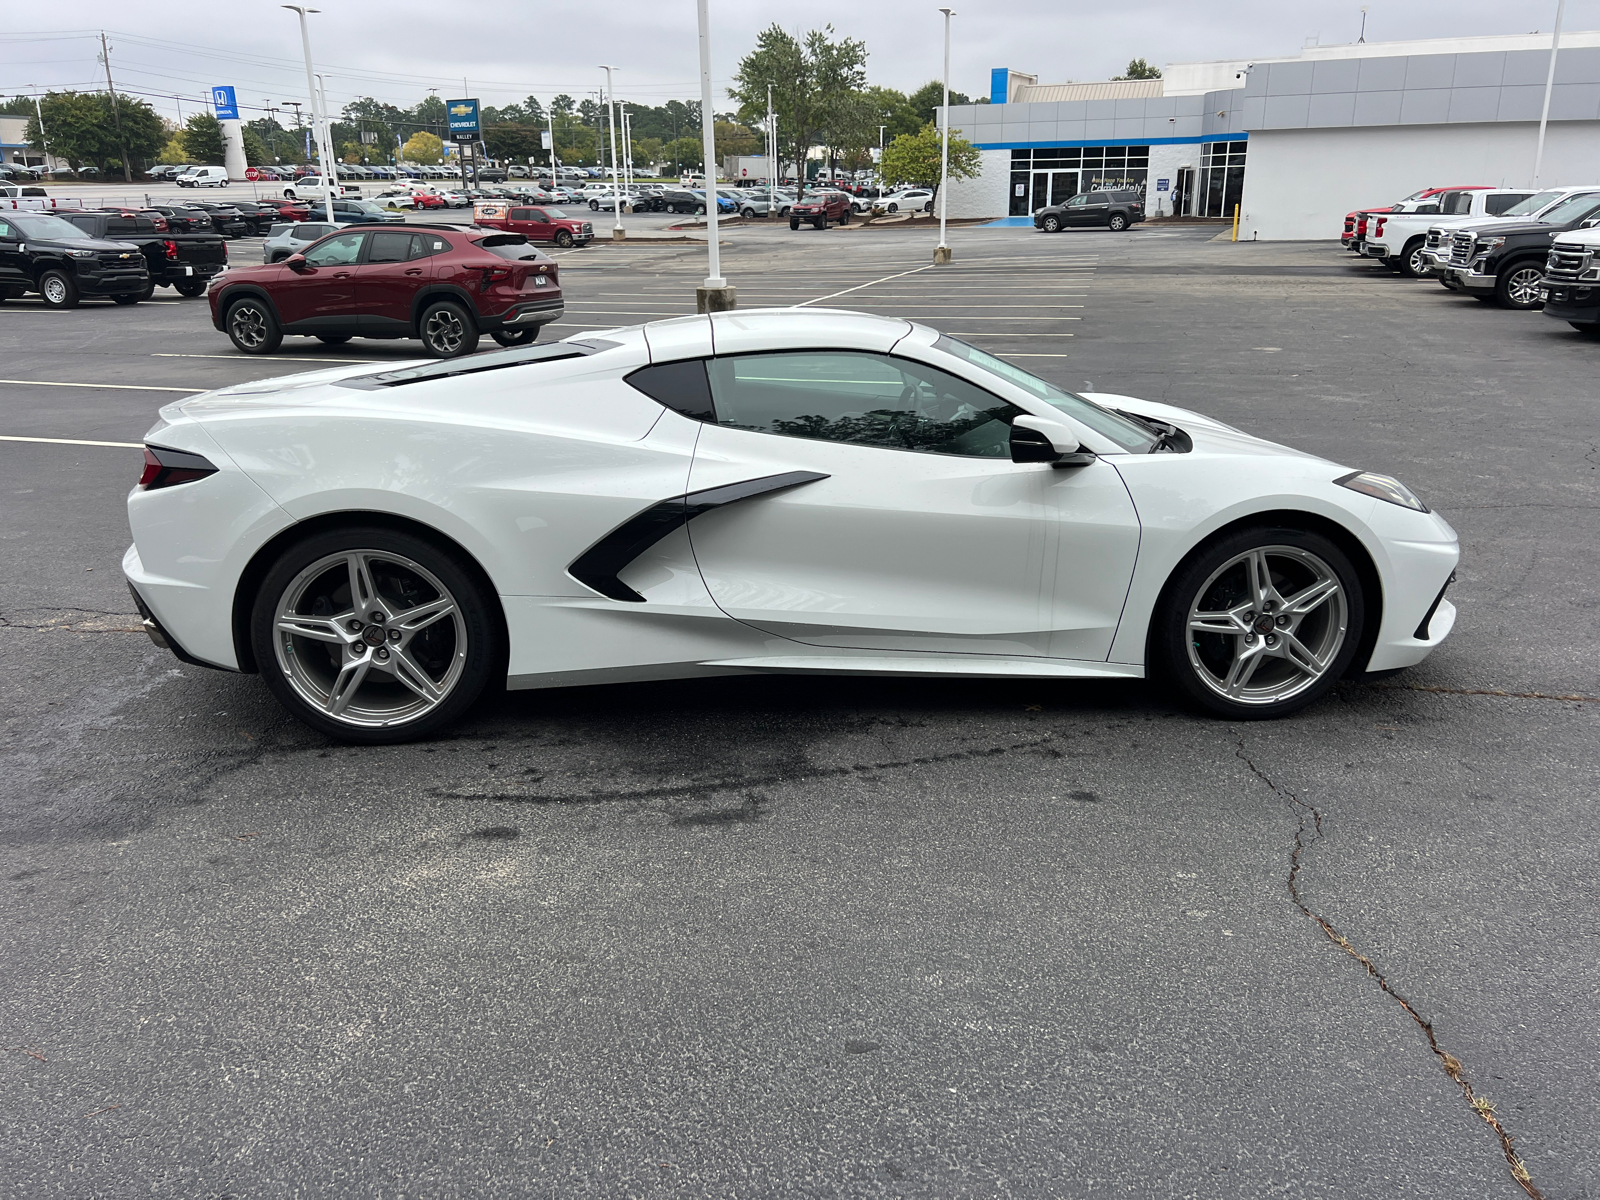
x: 1378, y: 231
x: 171, y: 249
x: 224, y: 251
x: 165, y: 468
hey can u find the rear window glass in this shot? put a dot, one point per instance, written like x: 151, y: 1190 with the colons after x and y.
x: 511, y: 246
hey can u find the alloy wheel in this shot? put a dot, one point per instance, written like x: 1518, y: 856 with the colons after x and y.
x: 1523, y: 286
x: 1417, y: 261
x: 370, y: 638
x: 248, y: 324
x: 1267, y: 625
x: 444, y: 331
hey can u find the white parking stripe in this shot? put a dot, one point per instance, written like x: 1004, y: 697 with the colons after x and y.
x: 5, y: 437
x: 858, y: 287
x: 115, y: 387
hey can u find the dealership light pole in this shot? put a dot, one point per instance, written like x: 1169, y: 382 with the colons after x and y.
x: 618, y: 233
x: 316, y: 123
x: 716, y: 294
x: 942, y: 253
x: 1549, y: 85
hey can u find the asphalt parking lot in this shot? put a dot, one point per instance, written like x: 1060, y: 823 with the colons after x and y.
x: 781, y: 936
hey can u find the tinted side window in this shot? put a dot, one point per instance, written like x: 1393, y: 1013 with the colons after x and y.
x: 424, y: 244
x: 520, y: 214
x: 864, y: 399
x: 680, y: 386
x: 85, y: 223
x: 1456, y: 204
x: 389, y: 248
x: 1497, y: 205
x: 338, y: 251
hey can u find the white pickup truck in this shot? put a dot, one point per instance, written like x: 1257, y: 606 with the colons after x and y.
x: 310, y: 187
x: 33, y: 199
x: 1400, y: 240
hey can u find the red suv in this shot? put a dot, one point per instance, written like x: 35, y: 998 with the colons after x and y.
x: 817, y: 207
x: 443, y: 284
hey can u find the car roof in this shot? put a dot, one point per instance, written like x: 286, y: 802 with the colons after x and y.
x: 746, y: 331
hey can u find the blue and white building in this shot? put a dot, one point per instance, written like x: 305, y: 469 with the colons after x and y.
x: 1297, y: 142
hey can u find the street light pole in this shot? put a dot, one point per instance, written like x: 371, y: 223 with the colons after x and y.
x: 44, y: 138
x: 716, y: 294
x: 1549, y: 86
x: 618, y: 233
x: 316, y: 123
x: 942, y: 253
x: 772, y: 152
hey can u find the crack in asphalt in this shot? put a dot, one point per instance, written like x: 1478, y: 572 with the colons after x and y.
x: 1452, y: 1065
x: 733, y: 783
x: 1449, y: 691
x: 74, y: 620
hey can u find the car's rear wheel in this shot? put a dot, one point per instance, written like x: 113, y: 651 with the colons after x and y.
x: 747, y: 213
x: 190, y: 288
x: 252, y: 327
x: 447, y: 330
x: 1412, y: 262
x: 374, y: 635
x: 1260, y: 623
x: 563, y: 238
x: 1518, y: 287
x: 699, y: 210
x: 844, y: 217
x: 1051, y: 224
x: 1117, y: 223
x: 58, y: 290
x: 516, y: 337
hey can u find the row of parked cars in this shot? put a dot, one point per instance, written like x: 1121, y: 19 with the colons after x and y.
x: 1520, y: 248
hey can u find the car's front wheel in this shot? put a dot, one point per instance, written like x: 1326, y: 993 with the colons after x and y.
x: 563, y: 238
x: 1051, y: 224
x: 1518, y: 287
x: 58, y: 290
x: 447, y: 330
x: 252, y: 327
x: 374, y: 635
x: 1260, y: 623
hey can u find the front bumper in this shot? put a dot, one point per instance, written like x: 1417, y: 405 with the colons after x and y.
x: 1576, y: 302
x: 1470, y: 278
x: 114, y: 283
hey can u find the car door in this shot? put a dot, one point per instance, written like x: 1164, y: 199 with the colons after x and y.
x: 907, y: 527
x: 321, y: 296
x: 13, y: 265
x: 396, y: 267
x: 1095, y: 210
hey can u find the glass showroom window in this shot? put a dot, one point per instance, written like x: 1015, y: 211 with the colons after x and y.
x: 1054, y: 174
x: 1221, y: 179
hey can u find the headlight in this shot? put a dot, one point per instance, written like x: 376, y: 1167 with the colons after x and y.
x: 80, y: 253
x: 1493, y: 243
x: 1382, y: 487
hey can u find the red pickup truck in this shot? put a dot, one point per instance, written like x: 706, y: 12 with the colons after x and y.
x: 1355, y: 223
x: 542, y: 224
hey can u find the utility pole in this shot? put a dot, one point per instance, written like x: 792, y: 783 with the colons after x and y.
x: 618, y: 233
x: 116, y: 111
x: 772, y: 152
x: 942, y: 253
x: 1549, y: 85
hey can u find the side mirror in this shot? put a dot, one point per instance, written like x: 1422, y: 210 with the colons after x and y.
x: 1041, y: 440
x: 297, y: 263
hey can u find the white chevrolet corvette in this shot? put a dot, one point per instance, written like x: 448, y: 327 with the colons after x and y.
x: 774, y: 490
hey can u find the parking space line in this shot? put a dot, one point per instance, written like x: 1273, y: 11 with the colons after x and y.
x: 115, y: 387
x: 858, y: 287
x: 6, y: 437
x: 266, y: 362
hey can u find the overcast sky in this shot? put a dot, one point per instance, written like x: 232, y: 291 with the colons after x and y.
x: 395, y: 50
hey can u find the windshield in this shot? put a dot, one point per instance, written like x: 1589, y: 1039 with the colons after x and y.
x: 39, y: 225
x: 1102, y: 420
x: 1527, y: 208
x: 1571, y: 209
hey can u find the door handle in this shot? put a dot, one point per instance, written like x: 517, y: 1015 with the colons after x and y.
x: 413, y: 270
x: 343, y: 274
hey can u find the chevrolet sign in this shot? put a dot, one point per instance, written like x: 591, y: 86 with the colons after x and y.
x: 463, y: 118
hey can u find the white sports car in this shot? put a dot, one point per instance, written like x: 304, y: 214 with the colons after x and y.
x: 797, y: 490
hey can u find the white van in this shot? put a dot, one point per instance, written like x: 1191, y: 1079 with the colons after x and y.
x: 204, y: 177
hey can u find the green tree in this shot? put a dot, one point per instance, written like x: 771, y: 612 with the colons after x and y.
x: 562, y: 104
x: 173, y: 151
x: 255, y: 150
x: 914, y: 159
x: 1139, y: 69
x: 84, y: 129
x: 811, y: 79
x: 202, y: 135
x: 423, y: 147
x: 925, y: 101
x: 17, y: 106
x: 512, y: 141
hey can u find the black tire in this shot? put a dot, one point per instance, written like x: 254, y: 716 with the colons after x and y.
x: 148, y: 292
x: 844, y: 217
x: 747, y: 213
x: 190, y: 288
x: 1051, y: 224
x: 1517, y: 287
x: 794, y: 223
x: 1117, y: 223
x: 699, y: 210
x: 58, y: 290
x: 462, y: 672
x: 1215, y: 579
x: 252, y: 327
x: 333, y: 339
x: 564, y: 238
x: 126, y: 298
x: 820, y: 222
x: 594, y: 205
x: 447, y: 330
x: 1409, y: 262
x: 1587, y: 328
x: 894, y: 208
x: 516, y: 337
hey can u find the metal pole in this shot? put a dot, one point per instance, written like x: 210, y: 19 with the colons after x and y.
x: 311, y: 86
x: 116, y: 111
x: 772, y: 152
x: 715, y: 295
x: 334, y: 186
x: 1549, y: 85
x: 617, y: 231
x: 44, y: 138
x: 550, y: 116
x: 942, y: 254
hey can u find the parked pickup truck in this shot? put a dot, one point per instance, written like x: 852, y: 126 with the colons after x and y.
x: 1436, y: 249
x: 818, y: 207
x: 1400, y: 240
x: 535, y: 224
x: 184, y: 261
x: 22, y: 198
x: 41, y: 252
x: 309, y: 187
x: 1355, y: 223
x: 1505, y: 260
x: 1571, y: 288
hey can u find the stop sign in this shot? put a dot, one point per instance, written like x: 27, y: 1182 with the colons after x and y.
x: 252, y: 174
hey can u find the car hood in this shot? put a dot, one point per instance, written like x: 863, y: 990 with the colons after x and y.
x: 278, y: 392
x: 83, y: 243
x: 1505, y: 227
x: 1207, y: 433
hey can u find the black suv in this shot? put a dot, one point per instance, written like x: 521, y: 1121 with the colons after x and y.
x: 1114, y: 210
x: 42, y: 253
x: 1504, y: 258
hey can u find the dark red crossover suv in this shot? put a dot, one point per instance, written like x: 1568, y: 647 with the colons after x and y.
x: 440, y: 283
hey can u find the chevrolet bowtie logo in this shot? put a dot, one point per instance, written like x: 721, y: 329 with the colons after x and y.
x: 461, y: 110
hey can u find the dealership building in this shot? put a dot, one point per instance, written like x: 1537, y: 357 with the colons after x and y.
x: 1294, y: 143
